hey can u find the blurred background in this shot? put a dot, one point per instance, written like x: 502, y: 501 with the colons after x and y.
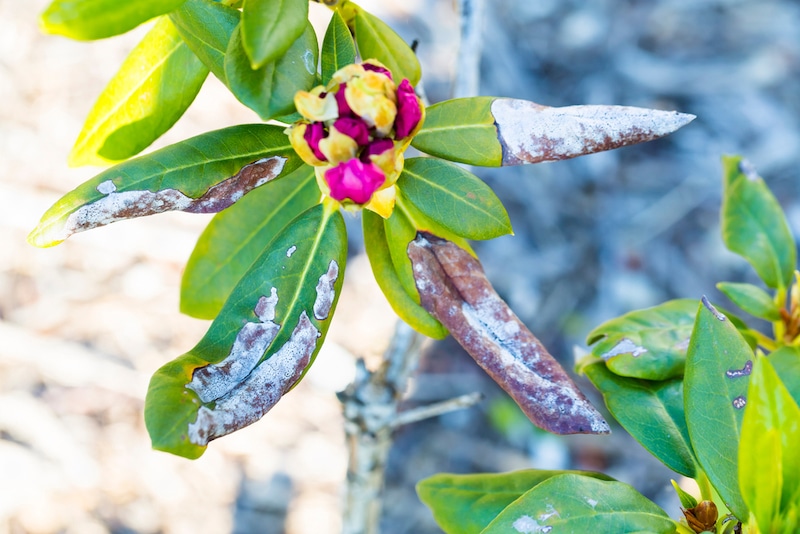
x: 85, y: 324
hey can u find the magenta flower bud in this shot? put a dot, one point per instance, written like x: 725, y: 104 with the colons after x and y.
x: 354, y: 180
x: 408, y: 112
x: 378, y: 146
x: 344, y: 107
x: 376, y: 68
x: 354, y: 128
x: 314, y: 132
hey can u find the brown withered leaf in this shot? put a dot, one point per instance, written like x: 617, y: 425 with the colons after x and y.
x: 530, y: 132
x: 454, y: 289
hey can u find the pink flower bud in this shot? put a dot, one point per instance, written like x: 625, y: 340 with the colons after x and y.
x: 377, y: 68
x: 354, y: 180
x: 408, y: 111
x: 314, y: 132
x: 341, y: 101
x: 355, y: 128
x: 377, y: 147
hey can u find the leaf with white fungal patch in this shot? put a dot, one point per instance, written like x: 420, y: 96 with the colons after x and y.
x: 496, y: 132
x: 261, y: 344
x: 203, y: 174
x: 718, y: 366
x: 453, y: 288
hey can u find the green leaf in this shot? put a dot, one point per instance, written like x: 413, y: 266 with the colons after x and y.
x: 651, y: 412
x: 769, y: 463
x: 206, y: 27
x: 718, y: 366
x: 378, y: 41
x: 380, y: 259
x: 206, y: 173
x: 338, y: 48
x: 269, y: 27
x: 649, y: 343
x: 466, y: 504
x: 687, y: 500
x: 751, y: 299
x: 455, y: 198
x: 786, y: 361
x: 753, y: 224
x: 155, y: 85
x: 576, y: 503
x: 461, y: 130
x: 263, y: 341
x: 270, y: 90
x: 96, y: 19
x: 237, y: 236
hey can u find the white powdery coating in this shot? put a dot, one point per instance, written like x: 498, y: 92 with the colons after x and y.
x: 215, y: 380
x: 262, y: 389
x: 325, y: 291
x: 291, y: 250
x: 482, y: 318
x: 591, y: 502
x: 528, y: 525
x: 532, y: 132
x: 625, y: 346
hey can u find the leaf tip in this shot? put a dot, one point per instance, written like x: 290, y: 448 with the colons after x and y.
x: 720, y: 316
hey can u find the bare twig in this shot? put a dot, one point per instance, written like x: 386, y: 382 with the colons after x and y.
x: 468, y: 66
x: 437, y: 409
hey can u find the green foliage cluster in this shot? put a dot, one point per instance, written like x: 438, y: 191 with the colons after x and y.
x: 712, y: 398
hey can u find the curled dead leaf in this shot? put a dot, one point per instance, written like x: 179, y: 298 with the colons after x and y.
x: 454, y: 289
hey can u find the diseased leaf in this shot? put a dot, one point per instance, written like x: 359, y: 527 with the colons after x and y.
x: 376, y: 40
x: 769, y: 465
x: 786, y: 361
x: 261, y: 344
x: 649, y: 343
x: 270, y: 90
x: 380, y: 259
x: 466, y: 504
x: 338, y: 47
x: 751, y: 299
x: 269, y: 27
x: 206, y: 27
x: 497, y: 132
x: 453, y: 197
x: 454, y: 289
x: 718, y: 366
x: 152, y: 89
x: 96, y: 19
x: 237, y: 236
x: 203, y: 174
x: 753, y: 224
x: 651, y: 412
x: 576, y: 503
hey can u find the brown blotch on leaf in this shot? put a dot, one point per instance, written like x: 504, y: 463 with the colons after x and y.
x: 454, y: 289
x: 227, y: 192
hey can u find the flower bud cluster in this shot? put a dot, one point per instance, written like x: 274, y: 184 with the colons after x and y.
x: 354, y: 133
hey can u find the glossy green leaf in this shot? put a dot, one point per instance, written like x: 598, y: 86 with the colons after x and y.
x: 263, y: 341
x: 751, y: 299
x: 269, y: 27
x: 270, y: 90
x: 753, y: 224
x: 718, y: 366
x: 466, y: 504
x: 206, y: 27
x: 786, y: 361
x: 338, y: 47
x: 206, y: 173
x: 152, y: 89
x: 401, y: 228
x: 461, y: 130
x: 651, y: 412
x: 380, y: 259
x: 96, y: 19
x: 455, y: 198
x: 237, y: 236
x: 769, y: 463
x: 687, y: 500
x: 576, y: 503
x: 650, y: 343
x: 376, y: 40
